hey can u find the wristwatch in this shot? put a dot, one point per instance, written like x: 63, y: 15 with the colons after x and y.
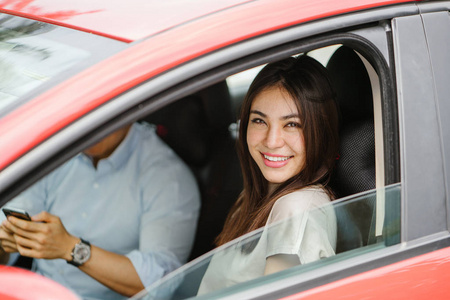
x: 80, y: 253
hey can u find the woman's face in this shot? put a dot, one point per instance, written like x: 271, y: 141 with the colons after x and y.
x: 274, y: 135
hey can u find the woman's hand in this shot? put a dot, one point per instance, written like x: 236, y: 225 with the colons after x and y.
x: 43, y: 237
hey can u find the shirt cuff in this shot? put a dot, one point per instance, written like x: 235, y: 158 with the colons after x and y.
x: 153, y: 265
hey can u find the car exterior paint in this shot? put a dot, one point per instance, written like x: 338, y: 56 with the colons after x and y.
x: 422, y: 277
x: 146, y: 18
x: 19, y: 284
x: 107, y: 18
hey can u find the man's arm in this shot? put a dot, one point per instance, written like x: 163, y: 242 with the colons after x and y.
x: 47, y: 238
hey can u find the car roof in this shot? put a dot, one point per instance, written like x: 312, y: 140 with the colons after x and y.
x: 133, y: 20
x: 124, y: 20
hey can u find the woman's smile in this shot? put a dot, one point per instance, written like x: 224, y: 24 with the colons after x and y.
x: 275, y: 161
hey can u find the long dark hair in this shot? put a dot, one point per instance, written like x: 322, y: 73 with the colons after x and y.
x: 307, y: 82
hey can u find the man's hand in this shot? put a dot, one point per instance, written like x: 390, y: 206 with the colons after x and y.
x: 43, y: 237
x: 7, y: 245
x: 7, y: 240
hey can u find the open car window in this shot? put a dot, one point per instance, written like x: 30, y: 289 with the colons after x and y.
x: 353, y: 239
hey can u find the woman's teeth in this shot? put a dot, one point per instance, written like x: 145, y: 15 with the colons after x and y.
x: 276, y: 158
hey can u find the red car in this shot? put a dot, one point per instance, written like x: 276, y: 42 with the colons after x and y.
x: 72, y: 72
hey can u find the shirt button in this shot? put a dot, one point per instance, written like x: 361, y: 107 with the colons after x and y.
x: 96, y: 185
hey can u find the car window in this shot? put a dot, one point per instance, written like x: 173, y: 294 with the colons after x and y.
x: 367, y: 221
x: 33, y: 53
x: 184, y: 282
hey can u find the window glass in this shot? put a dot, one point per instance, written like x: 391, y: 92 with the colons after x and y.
x: 28, y: 59
x: 33, y: 53
x: 184, y: 282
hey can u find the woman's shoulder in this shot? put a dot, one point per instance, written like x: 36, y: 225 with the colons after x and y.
x: 305, y: 199
x: 315, y: 194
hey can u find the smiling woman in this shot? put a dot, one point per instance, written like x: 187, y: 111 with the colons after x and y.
x: 288, y: 142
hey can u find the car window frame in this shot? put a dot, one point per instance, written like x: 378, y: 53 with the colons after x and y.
x: 353, y: 40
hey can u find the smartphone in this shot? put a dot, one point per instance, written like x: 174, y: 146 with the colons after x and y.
x: 18, y: 213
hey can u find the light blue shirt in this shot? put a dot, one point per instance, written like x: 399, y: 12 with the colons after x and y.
x: 142, y: 202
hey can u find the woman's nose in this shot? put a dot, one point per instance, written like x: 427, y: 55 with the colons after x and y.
x: 274, y: 138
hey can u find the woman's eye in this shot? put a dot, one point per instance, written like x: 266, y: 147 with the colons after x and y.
x: 293, y: 125
x: 257, y: 121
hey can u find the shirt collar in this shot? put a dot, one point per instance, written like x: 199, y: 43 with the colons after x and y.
x: 122, y: 153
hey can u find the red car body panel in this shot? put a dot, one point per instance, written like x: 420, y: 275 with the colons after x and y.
x: 123, y: 20
x: 19, y: 284
x: 95, y: 86
x: 136, y: 19
x: 423, y: 277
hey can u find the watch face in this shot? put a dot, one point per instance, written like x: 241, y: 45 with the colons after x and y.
x: 81, y: 253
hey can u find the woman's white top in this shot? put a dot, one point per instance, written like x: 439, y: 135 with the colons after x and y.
x: 302, y: 223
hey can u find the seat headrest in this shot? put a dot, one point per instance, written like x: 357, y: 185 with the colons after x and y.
x: 190, y: 124
x: 352, y: 85
x: 181, y: 126
x: 217, y: 106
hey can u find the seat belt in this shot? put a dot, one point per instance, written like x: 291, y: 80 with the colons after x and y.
x: 379, y: 147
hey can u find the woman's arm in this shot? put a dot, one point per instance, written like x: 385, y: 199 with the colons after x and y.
x: 280, y: 262
x: 47, y: 238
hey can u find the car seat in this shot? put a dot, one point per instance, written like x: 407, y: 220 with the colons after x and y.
x: 197, y: 129
x: 355, y: 168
